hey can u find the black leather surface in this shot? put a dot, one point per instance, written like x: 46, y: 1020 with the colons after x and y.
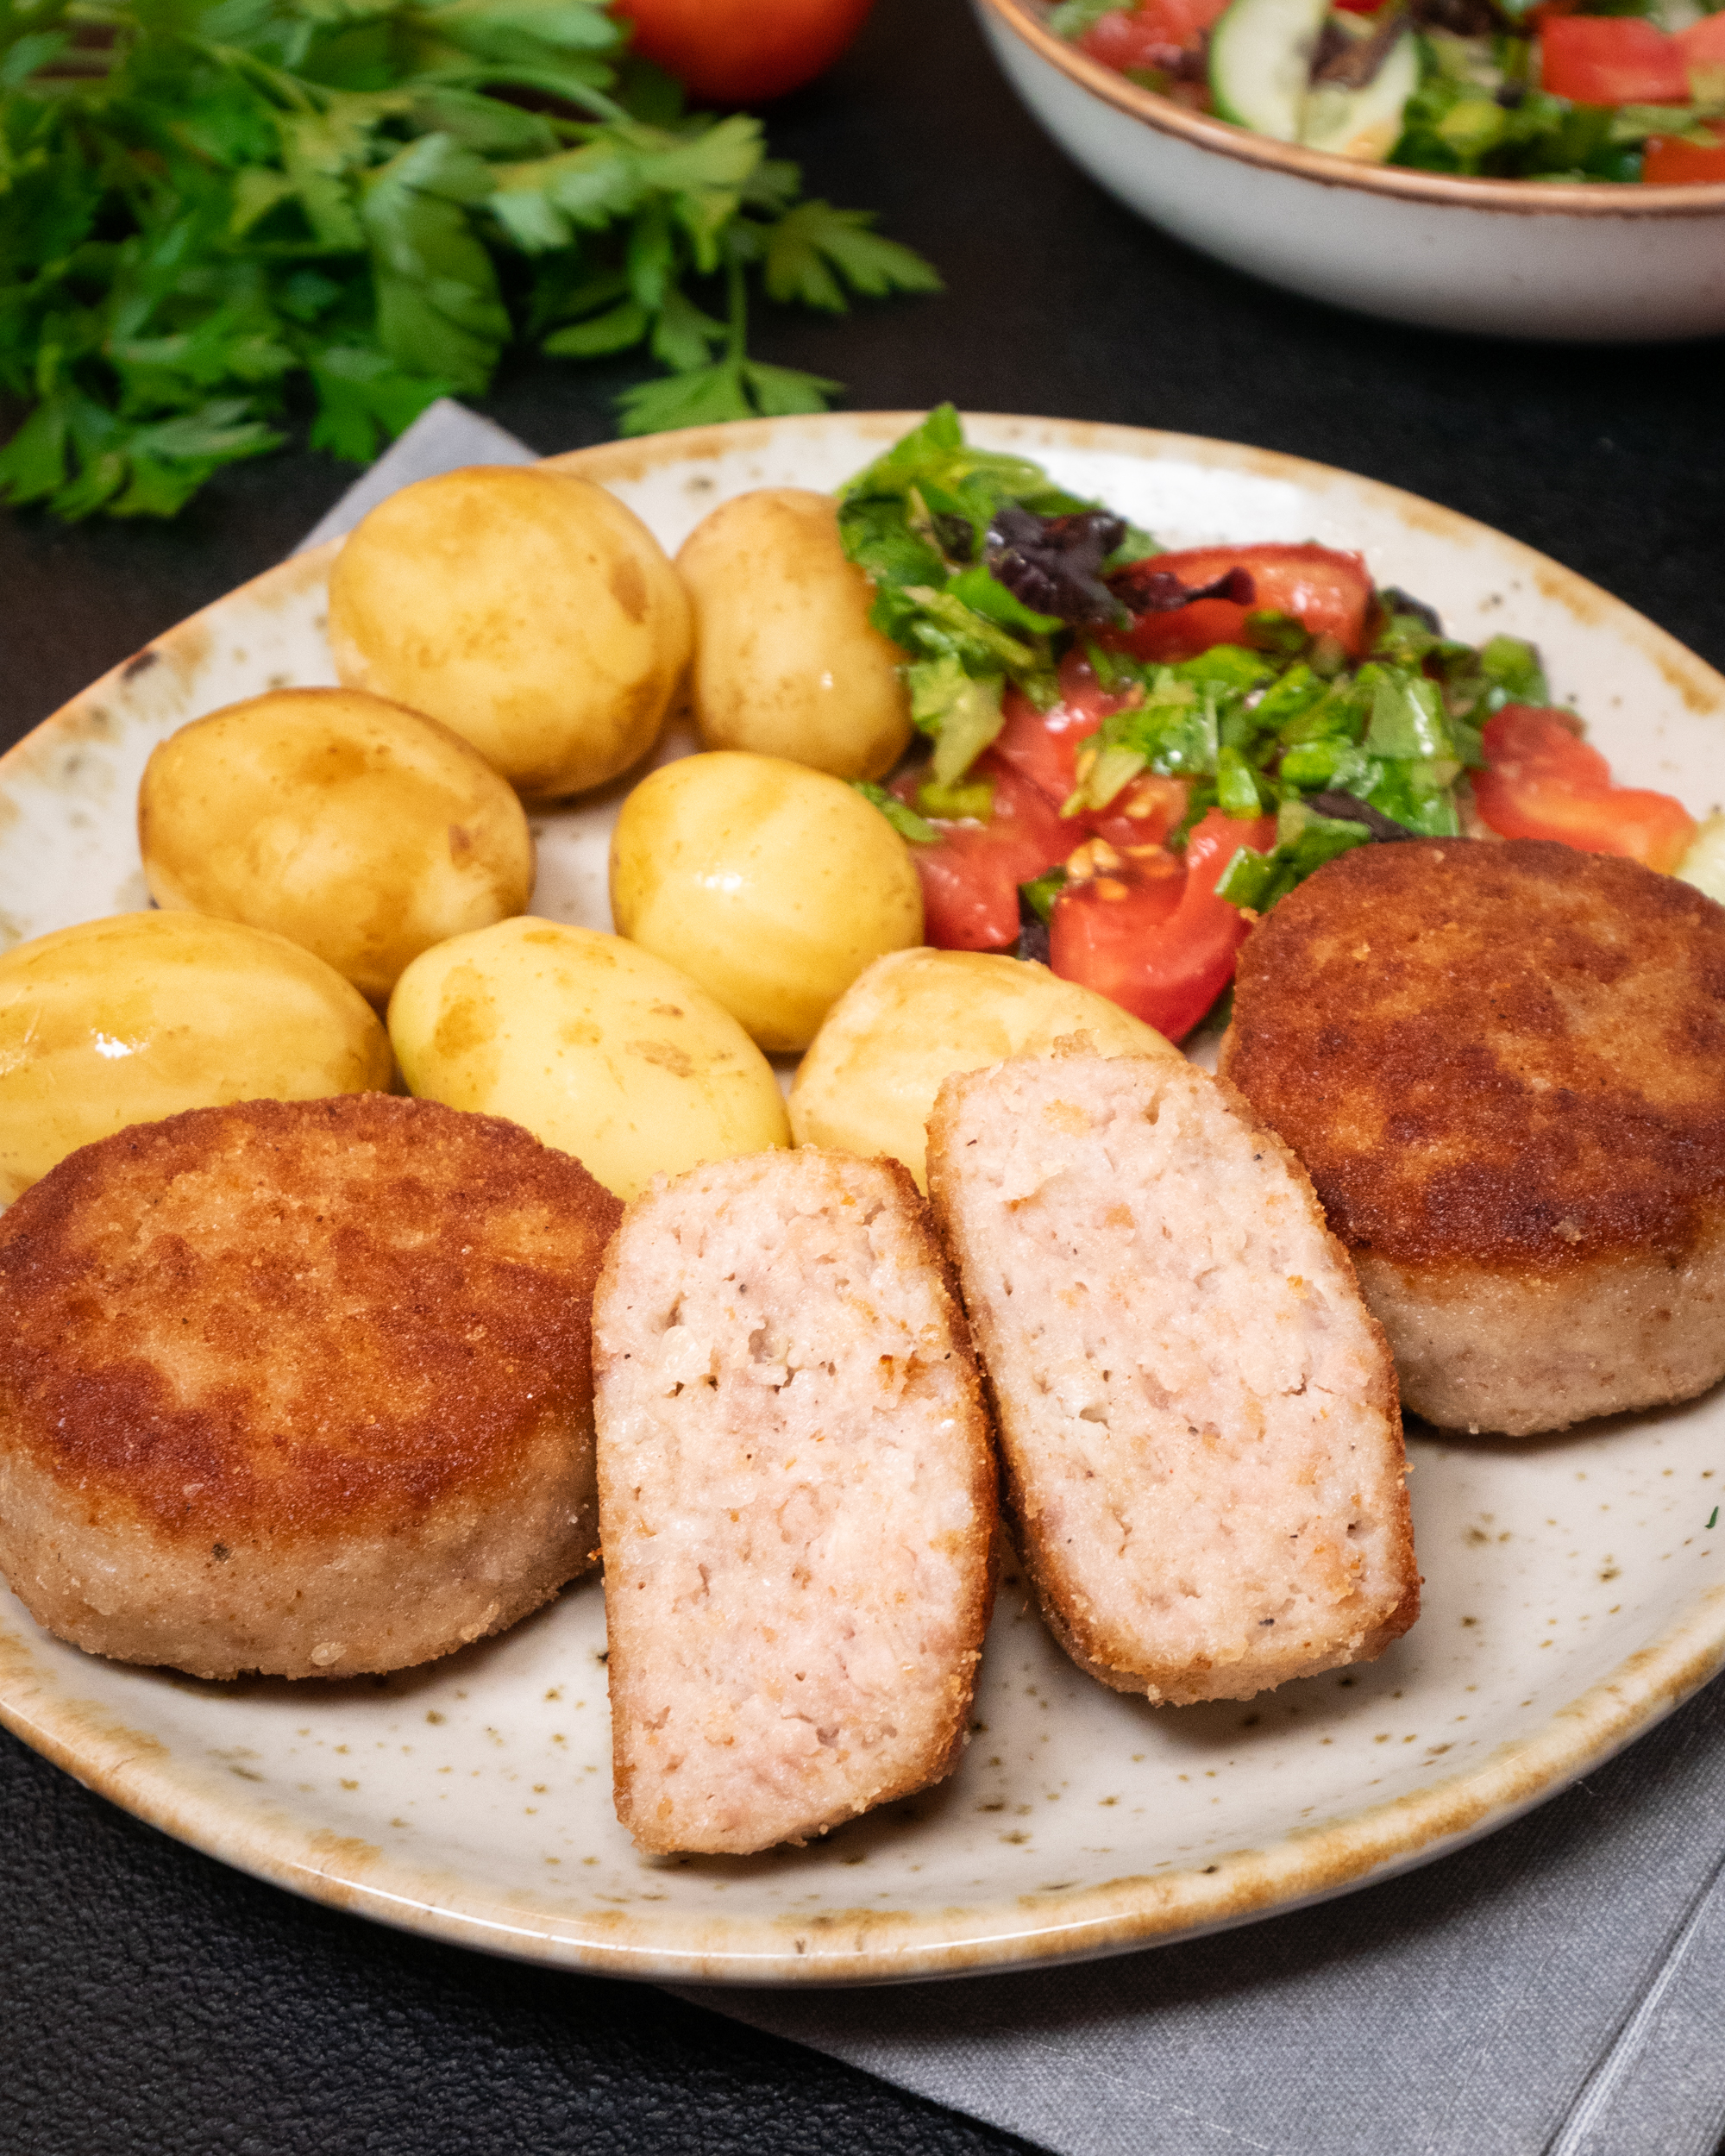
x: 151, y: 2001
x: 154, y: 2003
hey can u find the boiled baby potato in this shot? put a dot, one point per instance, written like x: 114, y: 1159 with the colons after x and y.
x: 786, y: 661
x: 595, y: 1045
x: 353, y: 827
x: 528, y: 610
x: 868, y: 1084
x: 135, y: 1018
x: 771, y: 884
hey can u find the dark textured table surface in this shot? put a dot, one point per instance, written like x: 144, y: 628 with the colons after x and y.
x: 150, y: 2001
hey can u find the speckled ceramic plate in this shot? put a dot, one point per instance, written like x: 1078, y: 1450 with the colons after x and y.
x: 1574, y: 1591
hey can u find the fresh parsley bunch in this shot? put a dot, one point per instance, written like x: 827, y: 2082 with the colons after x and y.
x: 207, y: 206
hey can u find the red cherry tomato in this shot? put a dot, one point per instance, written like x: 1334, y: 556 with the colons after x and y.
x: 1150, y: 35
x: 970, y: 879
x: 1329, y: 593
x: 1161, y: 947
x: 1543, y: 782
x: 1611, y: 60
x: 1668, y: 162
x: 742, y: 52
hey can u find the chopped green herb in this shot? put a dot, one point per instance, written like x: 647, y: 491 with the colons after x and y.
x: 960, y: 710
x: 919, y: 520
x: 1514, y: 667
x: 1252, y: 728
x: 905, y: 821
x: 1304, y: 841
x: 1278, y: 633
x: 1040, y: 894
x: 1237, y: 790
x: 964, y: 799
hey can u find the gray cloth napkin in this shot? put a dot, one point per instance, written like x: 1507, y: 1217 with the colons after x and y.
x: 1559, y: 1989
x: 445, y: 437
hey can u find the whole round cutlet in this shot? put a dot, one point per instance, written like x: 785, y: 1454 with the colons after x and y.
x: 1503, y: 1066
x: 299, y: 1387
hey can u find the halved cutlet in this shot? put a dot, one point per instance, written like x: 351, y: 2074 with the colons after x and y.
x: 796, y: 1501
x: 1197, y: 1413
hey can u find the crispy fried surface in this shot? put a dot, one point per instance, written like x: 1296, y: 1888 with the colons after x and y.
x: 295, y: 1320
x: 1503, y: 1056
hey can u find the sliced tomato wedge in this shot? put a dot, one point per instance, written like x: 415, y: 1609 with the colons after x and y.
x: 1150, y: 35
x: 1143, y: 813
x: 1043, y: 747
x: 1161, y: 946
x: 1702, y: 47
x: 1704, y: 42
x: 1611, y: 60
x: 1669, y: 162
x: 1329, y: 593
x: 970, y: 879
x: 1544, y: 782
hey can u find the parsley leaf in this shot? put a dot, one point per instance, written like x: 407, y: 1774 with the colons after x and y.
x: 814, y: 247
x: 733, y: 389
x: 206, y: 205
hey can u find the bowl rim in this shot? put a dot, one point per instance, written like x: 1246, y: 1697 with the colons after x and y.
x: 1597, y: 198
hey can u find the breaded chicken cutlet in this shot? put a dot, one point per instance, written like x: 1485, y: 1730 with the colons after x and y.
x: 797, y: 1501
x: 299, y: 1387
x: 1504, y: 1067
x: 1197, y: 1415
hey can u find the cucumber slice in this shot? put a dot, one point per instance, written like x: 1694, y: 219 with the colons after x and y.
x: 1260, y: 58
x: 1363, y: 124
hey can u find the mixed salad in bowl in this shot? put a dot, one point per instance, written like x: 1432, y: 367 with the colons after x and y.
x: 1539, y: 90
x: 1131, y: 754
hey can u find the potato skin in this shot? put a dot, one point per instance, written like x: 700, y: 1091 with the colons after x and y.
x: 135, y: 1018
x: 786, y: 661
x: 527, y: 609
x: 771, y: 884
x: 354, y: 828
x: 594, y: 1045
x: 868, y: 1084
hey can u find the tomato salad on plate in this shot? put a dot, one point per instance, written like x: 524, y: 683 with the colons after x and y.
x: 1132, y: 753
x: 1545, y: 90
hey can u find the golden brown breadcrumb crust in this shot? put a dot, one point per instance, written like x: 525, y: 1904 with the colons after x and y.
x: 981, y: 1545
x: 1509, y: 1055
x: 296, y: 1319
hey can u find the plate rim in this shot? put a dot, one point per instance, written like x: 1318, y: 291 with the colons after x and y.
x: 849, y: 1947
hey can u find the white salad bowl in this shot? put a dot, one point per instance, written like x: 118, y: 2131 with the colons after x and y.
x: 1589, y: 262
